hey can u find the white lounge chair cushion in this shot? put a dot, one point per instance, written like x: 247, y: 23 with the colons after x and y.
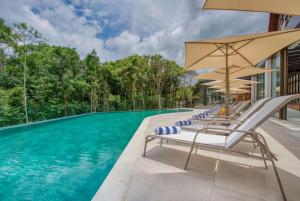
x: 202, y: 138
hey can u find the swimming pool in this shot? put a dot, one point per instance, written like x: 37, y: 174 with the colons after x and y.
x: 66, y: 159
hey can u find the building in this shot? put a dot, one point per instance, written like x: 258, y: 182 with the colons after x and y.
x: 285, y: 79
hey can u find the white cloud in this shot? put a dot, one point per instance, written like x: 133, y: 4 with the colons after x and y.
x: 143, y: 27
x: 56, y: 21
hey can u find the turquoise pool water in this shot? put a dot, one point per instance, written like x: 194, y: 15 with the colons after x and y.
x: 66, y: 159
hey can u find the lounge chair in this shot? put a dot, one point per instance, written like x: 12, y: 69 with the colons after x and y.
x: 232, y: 107
x: 226, y: 143
x: 233, y: 114
x: 230, y: 123
x: 236, y: 111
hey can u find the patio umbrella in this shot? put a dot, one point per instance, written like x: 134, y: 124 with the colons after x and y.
x: 234, y: 72
x: 234, y: 91
x: 233, y: 81
x: 288, y: 7
x: 222, y: 86
x: 243, y: 51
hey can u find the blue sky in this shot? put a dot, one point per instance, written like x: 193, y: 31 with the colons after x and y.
x: 118, y: 28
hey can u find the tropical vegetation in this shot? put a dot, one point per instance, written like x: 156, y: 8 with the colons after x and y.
x: 41, y: 81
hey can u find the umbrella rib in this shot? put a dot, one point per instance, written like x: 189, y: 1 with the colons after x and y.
x: 204, y: 4
x: 229, y: 72
x: 204, y: 57
x: 236, y: 71
x: 220, y: 48
x: 243, y: 46
x: 219, y: 72
x: 241, y: 55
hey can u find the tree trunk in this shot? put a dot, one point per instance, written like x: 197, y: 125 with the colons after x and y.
x: 65, y: 102
x: 24, y: 80
x: 158, y: 86
x: 133, y: 95
x: 159, y: 99
x: 95, y: 102
x: 91, y: 99
x: 105, y: 97
x: 143, y: 99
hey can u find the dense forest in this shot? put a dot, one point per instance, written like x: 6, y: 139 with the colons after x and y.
x: 40, y: 81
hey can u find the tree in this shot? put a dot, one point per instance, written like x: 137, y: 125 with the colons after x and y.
x: 40, y: 81
x: 26, y: 35
x: 163, y: 73
x: 92, y: 63
x: 8, y: 39
x: 66, y: 68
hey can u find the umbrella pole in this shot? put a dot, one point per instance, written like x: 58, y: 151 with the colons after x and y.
x: 227, y: 84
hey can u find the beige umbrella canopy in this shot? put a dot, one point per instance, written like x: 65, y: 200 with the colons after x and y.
x: 243, y: 51
x: 288, y: 7
x: 234, y: 91
x: 223, y: 86
x: 234, y: 72
x: 233, y: 81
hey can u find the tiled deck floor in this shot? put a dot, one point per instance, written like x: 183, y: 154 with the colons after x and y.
x: 212, y: 176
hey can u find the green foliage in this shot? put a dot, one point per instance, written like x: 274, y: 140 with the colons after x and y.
x: 57, y: 82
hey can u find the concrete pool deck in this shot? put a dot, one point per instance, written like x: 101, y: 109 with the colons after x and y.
x: 211, y: 175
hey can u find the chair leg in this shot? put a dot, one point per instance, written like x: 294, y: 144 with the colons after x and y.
x: 271, y: 158
x: 263, y: 156
x: 161, y: 141
x: 145, y: 147
x: 278, y: 180
x: 189, y: 156
x: 196, y: 149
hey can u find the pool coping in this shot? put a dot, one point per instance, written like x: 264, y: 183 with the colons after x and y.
x: 117, y: 182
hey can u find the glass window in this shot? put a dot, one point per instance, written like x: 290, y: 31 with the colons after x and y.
x: 260, y: 86
x: 293, y: 82
x: 276, y: 75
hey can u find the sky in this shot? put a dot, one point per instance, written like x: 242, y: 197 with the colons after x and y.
x: 119, y: 28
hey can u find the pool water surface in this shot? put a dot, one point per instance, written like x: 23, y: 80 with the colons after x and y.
x: 65, y: 159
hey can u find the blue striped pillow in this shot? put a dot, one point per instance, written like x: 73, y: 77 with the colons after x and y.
x: 199, y: 116
x: 183, y: 123
x: 203, y: 114
x: 167, y: 130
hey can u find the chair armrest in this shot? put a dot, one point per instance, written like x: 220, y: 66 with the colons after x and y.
x: 220, y: 120
x: 230, y: 121
x: 233, y: 130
